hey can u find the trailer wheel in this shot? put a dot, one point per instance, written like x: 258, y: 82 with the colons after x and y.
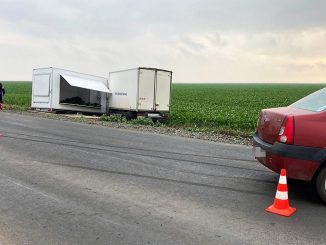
x: 320, y: 185
x: 131, y: 115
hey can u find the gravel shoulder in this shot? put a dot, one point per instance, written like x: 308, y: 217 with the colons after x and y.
x: 94, y: 120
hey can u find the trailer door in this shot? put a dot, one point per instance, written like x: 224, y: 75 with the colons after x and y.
x: 146, y: 90
x: 162, y: 91
x: 41, y: 88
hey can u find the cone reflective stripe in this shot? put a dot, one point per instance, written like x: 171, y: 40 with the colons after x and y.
x: 282, y: 178
x: 281, y: 204
x: 281, y: 195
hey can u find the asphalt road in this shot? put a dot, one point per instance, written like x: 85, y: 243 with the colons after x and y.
x: 70, y: 183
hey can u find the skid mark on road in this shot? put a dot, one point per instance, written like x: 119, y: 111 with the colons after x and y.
x: 124, y: 147
x: 158, y: 178
x: 146, y: 155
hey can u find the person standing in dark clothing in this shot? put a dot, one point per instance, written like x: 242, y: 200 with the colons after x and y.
x: 2, y: 93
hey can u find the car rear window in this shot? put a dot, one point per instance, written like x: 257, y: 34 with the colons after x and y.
x: 313, y: 102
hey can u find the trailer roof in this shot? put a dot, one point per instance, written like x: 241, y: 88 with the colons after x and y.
x: 86, y: 83
x: 61, y: 69
x: 143, y: 68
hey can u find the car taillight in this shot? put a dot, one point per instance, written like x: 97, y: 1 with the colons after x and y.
x: 286, y: 133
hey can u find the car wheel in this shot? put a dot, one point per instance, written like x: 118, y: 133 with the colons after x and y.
x: 320, y: 184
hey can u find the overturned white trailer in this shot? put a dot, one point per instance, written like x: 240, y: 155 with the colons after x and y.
x: 140, y: 91
x: 55, y: 89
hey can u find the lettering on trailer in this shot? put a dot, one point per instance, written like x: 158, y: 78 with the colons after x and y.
x: 142, y: 98
x: 120, y: 93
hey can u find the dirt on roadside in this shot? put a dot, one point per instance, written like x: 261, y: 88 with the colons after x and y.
x: 95, y: 120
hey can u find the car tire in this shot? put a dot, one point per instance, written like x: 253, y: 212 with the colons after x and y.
x: 320, y: 185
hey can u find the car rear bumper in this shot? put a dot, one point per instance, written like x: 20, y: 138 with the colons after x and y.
x: 299, y: 161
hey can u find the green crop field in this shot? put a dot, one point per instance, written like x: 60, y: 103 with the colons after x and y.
x: 221, y: 108
x: 18, y: 95
x: 230, y: 108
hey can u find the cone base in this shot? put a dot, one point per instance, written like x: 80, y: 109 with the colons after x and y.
x: 284, y: 212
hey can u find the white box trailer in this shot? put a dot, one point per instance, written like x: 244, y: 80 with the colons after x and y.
x: 55, y: 89
x: 140, y: 91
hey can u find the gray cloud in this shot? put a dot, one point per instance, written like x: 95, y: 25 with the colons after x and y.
x: 123, y: 18
x: 103, y: 35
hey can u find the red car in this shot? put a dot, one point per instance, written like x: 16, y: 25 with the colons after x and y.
x: 294, y: 138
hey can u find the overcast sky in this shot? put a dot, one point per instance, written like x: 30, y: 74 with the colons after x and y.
x: 199, y: 40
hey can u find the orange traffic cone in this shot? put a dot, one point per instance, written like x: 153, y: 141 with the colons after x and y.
x: 281, y: 204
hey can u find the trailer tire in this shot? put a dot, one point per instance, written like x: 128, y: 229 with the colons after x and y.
x: 131, y: 115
